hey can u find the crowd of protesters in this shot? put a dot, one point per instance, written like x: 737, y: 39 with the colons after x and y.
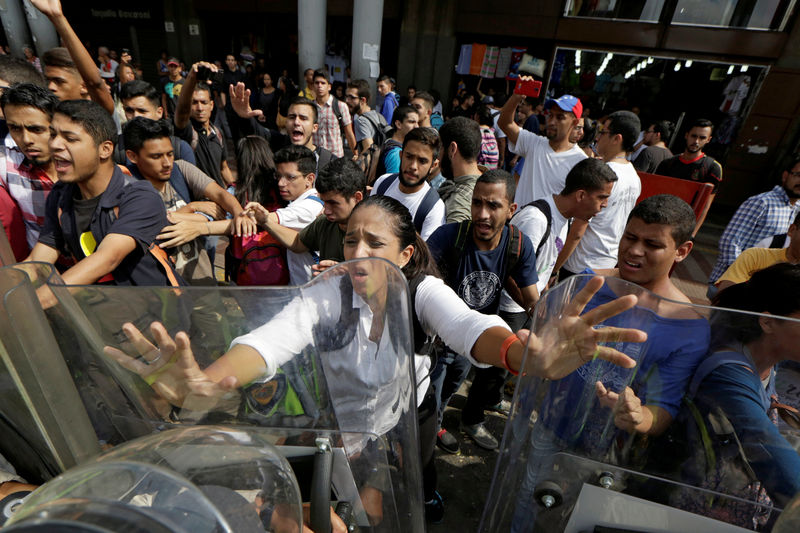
x: 117, y: 181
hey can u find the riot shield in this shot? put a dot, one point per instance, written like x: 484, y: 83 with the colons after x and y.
x: 580, y: 454
x: 330, y: 374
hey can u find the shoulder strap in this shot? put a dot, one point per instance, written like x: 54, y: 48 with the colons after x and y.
x: 711, y: 363
x: 338, y: 112
x: 420, y: 337
x: 176, y: 147
x: 542, y: 205
x: 317, y: 199
x: 513, y: 248
x: 430, y: 199
x: 778, y: 241
x: 452, y: 256
x: 385, y: 184
x: 178, y: 182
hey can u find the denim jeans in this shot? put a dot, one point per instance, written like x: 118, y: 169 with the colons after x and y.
x: 544, y: 446
x: 449, y: 373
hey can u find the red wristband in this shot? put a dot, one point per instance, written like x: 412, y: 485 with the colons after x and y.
x: 511, y: 339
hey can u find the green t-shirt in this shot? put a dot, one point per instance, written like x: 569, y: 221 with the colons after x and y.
x: 325, y: 237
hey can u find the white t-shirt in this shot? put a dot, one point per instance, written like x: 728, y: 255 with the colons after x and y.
x: 599, y: 246
x: 297, y: 215
x: 545, y: 171
x: 436, y: 216
x: 532, y: 223
x: 498, y: 131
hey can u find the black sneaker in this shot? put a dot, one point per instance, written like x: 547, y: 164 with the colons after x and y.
x: 447, y: 441
x: 481, y: 436
x: 434, y: 509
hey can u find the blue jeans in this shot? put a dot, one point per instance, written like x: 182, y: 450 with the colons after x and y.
x: 449, y: 373
x: 544, y: 446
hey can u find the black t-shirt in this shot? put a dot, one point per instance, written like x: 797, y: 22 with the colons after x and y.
x: 649, y: 158
x: 84, y: 210
x: 209, y: 152
x: 229, y: 78
x: 704, y: 169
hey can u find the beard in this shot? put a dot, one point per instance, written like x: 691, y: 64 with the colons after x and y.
x: 446, y: 167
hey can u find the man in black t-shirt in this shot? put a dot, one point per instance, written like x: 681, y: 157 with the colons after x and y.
x: 693, y: 164
x: 230, y: 77
x: 193, y: 125
x: 93, y: 214
x: 656, y: 150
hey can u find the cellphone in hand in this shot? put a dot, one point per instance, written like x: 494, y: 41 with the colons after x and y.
x: 528, y: 87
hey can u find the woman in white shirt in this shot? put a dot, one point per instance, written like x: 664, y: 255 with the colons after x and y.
x: 382, y: 227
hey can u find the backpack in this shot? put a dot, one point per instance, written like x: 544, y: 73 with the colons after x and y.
x: 702, y: 449
x: 542, y: 205
x: 428, y: 202
x: 369, y: 159
x: 381, y: 129
x: 452, y: 257
x: 258, y: 259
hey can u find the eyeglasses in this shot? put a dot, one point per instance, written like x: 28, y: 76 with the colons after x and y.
x: 792, y: 174
x: 602, y: 132
x: 350, y: 97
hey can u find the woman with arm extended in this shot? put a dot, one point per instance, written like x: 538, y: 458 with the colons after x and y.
x: 382, y: 227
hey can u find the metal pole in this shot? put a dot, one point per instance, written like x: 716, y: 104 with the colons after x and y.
x: 15, y: 26
x: 311, y: 18
x: 44, y: 33
x: 365, y: 59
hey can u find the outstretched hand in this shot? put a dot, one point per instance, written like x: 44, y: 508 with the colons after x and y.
x: 240, y: 101
x: 569, y: 341
x: 49, y: 8
x: 170, y: 368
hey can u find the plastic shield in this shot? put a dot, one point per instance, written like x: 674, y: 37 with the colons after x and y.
x: 328, y: 365
x: 572, y: 460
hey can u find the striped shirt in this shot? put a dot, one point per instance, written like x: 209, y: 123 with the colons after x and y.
x: 28, y: 185
x: 329, y: 134
x: 760, y: 216
x: 490, y: 155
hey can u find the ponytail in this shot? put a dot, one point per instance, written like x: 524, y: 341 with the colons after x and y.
x: 421, y: 262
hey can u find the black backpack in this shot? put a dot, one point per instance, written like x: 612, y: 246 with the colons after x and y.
x: 430, y: 199
x: 544, y: 207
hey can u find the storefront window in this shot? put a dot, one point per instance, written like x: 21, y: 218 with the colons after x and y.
x: 647, y: 11
x: 749, y: 14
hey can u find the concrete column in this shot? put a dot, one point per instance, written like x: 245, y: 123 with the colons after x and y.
x: 367, y: 22
x: 44, y: 33
x: 16, y: 27
x: 311, y: 18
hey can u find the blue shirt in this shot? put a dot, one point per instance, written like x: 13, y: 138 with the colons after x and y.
x: 735, y: 389
x: 480, y: 275
x: 388, y: 106
x: 665, y: 364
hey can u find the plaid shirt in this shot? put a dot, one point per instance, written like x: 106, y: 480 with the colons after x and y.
x: 329, y: 135
x: 760, y: 216
x: 28, y: 185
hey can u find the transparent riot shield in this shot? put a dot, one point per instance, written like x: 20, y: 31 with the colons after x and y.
x: 199, y: 479
x: 582, y: 453
x: 326, y: 369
